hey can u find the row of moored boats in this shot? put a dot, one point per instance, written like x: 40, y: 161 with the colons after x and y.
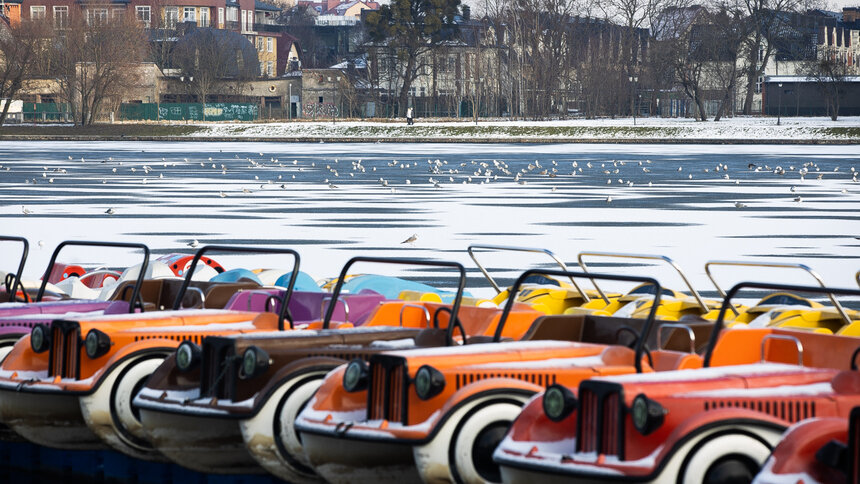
x: 366, y: 377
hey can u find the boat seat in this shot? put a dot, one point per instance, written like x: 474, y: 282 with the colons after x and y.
x: 556, y: 327
x: 675, y: 360
x: 220, y: 294
x: 676, y: 339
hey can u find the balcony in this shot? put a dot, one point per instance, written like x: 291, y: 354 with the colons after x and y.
x: 274, y: 28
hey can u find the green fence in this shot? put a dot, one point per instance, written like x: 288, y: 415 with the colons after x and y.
x: 189, y: 111
x: 33, y: 112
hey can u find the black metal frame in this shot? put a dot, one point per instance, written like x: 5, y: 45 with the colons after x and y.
x: 246, y: 250
x: 85, y: 243
x: 402, y: 261
x: 646, y: 329
x: 720, y: 322
x: 24, y: 254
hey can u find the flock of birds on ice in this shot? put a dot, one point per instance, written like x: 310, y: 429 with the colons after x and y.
x: 480, y: 172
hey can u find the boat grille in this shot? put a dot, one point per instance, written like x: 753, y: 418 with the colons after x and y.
x: 389, y: 382
x: 218, y: 368
x: 542, y: 379
x: 65, y: 352
x: 600, y: 420
x: 784, y: 409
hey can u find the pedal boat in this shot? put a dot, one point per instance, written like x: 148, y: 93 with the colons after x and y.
x: 434, y: 415
x: 716, y: 424
x: 220, y: 416
x: 818, y: 450
x: 69, y: 384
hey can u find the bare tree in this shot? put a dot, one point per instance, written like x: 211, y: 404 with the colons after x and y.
x: 769, y: 21
x: 209, y: 58
x: 412, y: 29
x: 92, y: 60
x: 21, y: 49
x: 727, y: 33
x: 635, y: 16
x: 829, y: 73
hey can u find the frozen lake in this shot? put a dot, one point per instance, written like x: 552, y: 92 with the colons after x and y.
x: 334, y: 201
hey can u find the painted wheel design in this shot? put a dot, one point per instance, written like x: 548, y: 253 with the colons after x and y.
x: 126, y: 419
x: 287, y: 439
x: 475, y: 439
x: 726, y: 459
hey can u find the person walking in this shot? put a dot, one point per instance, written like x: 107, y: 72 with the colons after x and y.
x: 409, y: 116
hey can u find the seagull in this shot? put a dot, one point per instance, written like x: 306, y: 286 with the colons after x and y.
x: 41, y: 243
x: 25, y: 210
x: 193, y: 244
x: 411, y: 240
x: 608, y: 199
x: 223, y: 195
x: 798, y: 199
x: 792, y: 189
x: 740, y: 205
x: 110, y: 211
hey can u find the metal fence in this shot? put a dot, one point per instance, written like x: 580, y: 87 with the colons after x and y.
x: 189, y: 112
x: 45, y: 112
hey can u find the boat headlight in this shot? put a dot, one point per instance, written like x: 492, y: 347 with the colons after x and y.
x: 254, y: 362
x: 40, y: 338
x: 558, y: 402
x: 355, y: 376
x: 647, y: 414
x: 187, y: 356
x: 97, y: 343
x: 429, y: 382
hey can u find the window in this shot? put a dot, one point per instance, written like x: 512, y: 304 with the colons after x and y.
x: 204, y: 17
x: 221, y: 17
x: 423, y: 91
x: 171, y: 17
x: 260, y: 45
x: 37, y: 12
x: 270, y: 68
x: 270, y: 44
x: 262, y: 68
x: 189, y: 14
x: 244, y: 20
x: 96, y: 16
x: 144, y: 14
x: 232, y: 14
x: 61, y: 17
x: 117, y: 13
x: 758, y: 85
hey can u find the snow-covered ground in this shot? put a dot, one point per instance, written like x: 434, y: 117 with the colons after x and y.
x: 734, y: 128
x: 694, y: 203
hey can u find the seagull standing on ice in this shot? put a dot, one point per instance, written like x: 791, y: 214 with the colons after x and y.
x: 411, y: 240
x: 193, y: 244
x: 110, y: 211
x: 740, y: 205
x: 25, y: 210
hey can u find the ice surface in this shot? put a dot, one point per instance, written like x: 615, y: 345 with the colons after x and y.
x: 691, y: 220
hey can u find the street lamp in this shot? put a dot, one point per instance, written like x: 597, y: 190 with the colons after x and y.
x: 779, y: 108
x: 633, y: 80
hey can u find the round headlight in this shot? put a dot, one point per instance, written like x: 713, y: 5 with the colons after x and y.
x: 355, y: 376
x: 647, y: 414
x: 187, y: 356
x: 558, y: 402
x: 254, y: 362
x: 96, y: 343
x: 429, y: 382
x: 40, y: 339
